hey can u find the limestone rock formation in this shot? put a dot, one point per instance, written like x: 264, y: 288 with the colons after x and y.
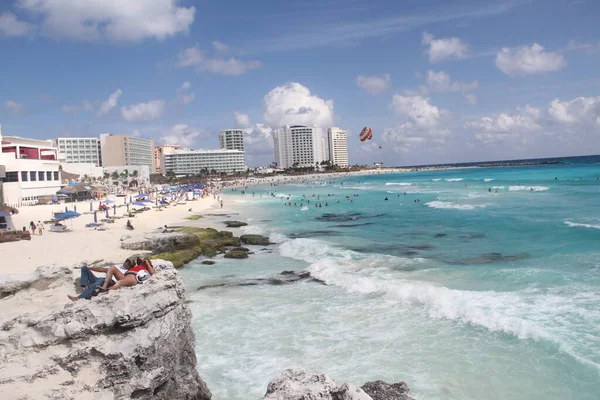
x: 234, y: 224
x: 160, y: 242
x: 380, y: 390
x: 297, y: 384
x: 132, y: 343
x: 255, y: 240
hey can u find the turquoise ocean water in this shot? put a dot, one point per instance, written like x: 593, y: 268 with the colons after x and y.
x: 463, y: 292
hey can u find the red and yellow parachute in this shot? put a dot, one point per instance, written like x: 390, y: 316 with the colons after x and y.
x: 366, y: 134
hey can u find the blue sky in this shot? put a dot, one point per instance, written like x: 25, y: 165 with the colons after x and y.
x: 438, y: 81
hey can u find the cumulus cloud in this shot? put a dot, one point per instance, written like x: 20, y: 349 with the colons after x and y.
x: 183, y: 135
x: 193, y: 57
x: 529, y: 60
x: 109, y: 103
x: 444, y: 48
x: 582, y: 110
x: 441, y: 82
x: 374, y: 84
x: 184, y: 96
x: 143, y: 111
x: 220, y: 46
x: 293, y: 104
x: 10, y: 25
x: 76, y: 108
x: 130, y: 21
x: 258, y: 143
x: 242, y: 120
x: 419, y: 111
x: 498, y: 127
x: 14, y: 107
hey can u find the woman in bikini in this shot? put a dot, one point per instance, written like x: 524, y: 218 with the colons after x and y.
x: 129, y: 278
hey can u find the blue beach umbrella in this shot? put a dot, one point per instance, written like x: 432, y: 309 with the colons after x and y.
x: 67, y: 215
x: 108, y: 202
x: 139, y: 196
x: 140, y: 204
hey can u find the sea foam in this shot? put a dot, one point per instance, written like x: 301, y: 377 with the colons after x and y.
x: 530, y: 188
x: 454, y: 179
x: 398, y: 184
x: 454, y: 206
x: 575, y: 224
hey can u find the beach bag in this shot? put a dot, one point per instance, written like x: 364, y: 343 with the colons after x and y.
x: 142, y: 276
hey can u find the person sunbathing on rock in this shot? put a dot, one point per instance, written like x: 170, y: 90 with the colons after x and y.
x: 142, y: 271
x: 91, y: 282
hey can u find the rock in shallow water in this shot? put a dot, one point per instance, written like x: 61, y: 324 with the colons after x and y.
x: 380, y: 390
x: 258, y: 240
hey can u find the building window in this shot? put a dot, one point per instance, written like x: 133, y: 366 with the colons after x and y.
x: 24, y: 176
x: 48, y: 175
x: 55, y: 175
x: 12, y: 177
x: 40, y: 176
x: 32, y: 176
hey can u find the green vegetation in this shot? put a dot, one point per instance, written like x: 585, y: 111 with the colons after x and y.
x: 194, y: 217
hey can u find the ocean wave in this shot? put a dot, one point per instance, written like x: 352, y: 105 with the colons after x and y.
x: 454, y: 179
x: 398, y: 184
x: 488, y: 179
x: 575, y: 224
x: 530, y: 188
x: 448, y: 205
x: 497, y: 187
x: 305, y: 208
x: 529, y: 314
x: 437, y: 179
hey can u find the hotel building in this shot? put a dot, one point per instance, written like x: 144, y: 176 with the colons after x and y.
x: 298, y: 146
x: 124, y: 150
x: 159, y: 153
x: 31, y: 169
x: 192, y: 162
x: 232, y: 139
x: 79, y: 150
x: 338, y: 146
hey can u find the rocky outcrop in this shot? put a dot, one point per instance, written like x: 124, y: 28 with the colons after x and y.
x: 235, y: 224
x: 132, y: 343
x: 257, y: 240
x: 160, y: 242
x: 297, y: 384
x: 380, y: 390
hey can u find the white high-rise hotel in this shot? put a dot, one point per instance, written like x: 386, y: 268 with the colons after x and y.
x: 298, y: 146
x: 338, y: 146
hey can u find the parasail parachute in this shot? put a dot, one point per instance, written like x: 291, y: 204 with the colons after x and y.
x: 366, y: 134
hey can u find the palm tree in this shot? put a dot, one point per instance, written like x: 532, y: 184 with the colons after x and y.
x: 134, y: 173
x: 124, y: 174
x: 114, y: 176
x: 106, y: 176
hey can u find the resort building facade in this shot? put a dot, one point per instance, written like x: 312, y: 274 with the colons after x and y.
x: 124, y: 150
x: 79, y: 150
x: 298, y: 146
x: 159, y: 152
x: 232, y: 139
x: 338, y: 146
x: 31, y: 169
x: 194, y: 162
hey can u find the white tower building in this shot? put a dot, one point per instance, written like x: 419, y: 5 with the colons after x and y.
x: 298, y: 146
x: 338, y: 146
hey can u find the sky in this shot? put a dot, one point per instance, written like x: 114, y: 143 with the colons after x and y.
x: 438, y: 81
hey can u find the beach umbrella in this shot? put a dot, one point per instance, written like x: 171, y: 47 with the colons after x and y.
x: 95, y: 218
x: 140, y: 204
x: 67, y: 215
x: 107, y: 201
x: 139, y: 196
x: 4, y: 214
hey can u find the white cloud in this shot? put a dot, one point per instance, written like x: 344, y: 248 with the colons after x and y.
x: 184, y: 95
x: 75, y: 108
x: 441, y: 82
x: 374, y: 84
x: 529, y: 60
x: 182, y: 135
x: 507, y: 125
x: 445, y: 48
x: 242, y: 120
x: 220, y: 46
x: 14, y: 106
x: 110, y: 103
x: 143, y: 111
x: 258, y: 143
x: 420, y: 112
x: 11, y: 26
x: 293, y: 104
x: 131, y: 20
x: 193, y: 57
x: 582, y: 110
